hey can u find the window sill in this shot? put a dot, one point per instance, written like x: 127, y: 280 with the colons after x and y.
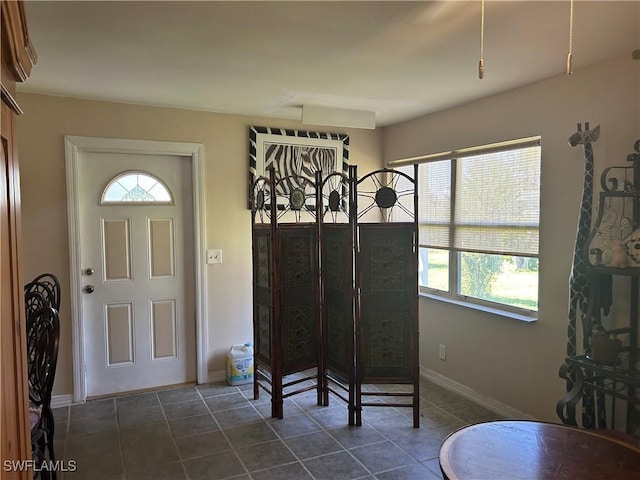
x: 482, y: 308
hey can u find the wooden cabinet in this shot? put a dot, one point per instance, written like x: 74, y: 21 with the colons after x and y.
x: 18, y: 57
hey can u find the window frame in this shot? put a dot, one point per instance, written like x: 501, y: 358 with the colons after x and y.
x: 115, y: 179
x: 453, y: 294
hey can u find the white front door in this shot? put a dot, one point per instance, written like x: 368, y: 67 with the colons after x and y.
x: 138, y: 292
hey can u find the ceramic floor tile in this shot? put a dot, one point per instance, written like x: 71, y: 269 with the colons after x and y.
x: 295, y: 425
x: 94, y: 444
x: 468, y: 411
x: 215, y: 389
x: 129, y: 417
x: 335, y: 466
x: 313, y: 445
x: 265, y: 455
x: 250, y: 434
x: 330, y: 417
x: 409, y: 472
x: 226, y: 402
x: 140, y: 400
x: 202, y: 444
x: 214, y: 467
x: 420, y: 444
x: 102, y: 466
x: 382, y: 456
x: 133, y: 436
x: 173, y: 434
x: 177, y: 395
x: 183, y: 427
x: 439, y: 396
x: 289, y: 408
x: 153, y: 457
x: 352, y: 436
x: 92, y: 408
x: 237, y: 417
x: 170, y: 471
x: 436, y: 417
x: 185, y: 409
x: 88, y: 425
x: 292, y: 471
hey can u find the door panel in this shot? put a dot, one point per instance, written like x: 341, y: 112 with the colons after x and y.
x: 164, y: 329
x: 117, y: 257
x: 161, y: 248
x: 119, y: 322
x: 139, y: 320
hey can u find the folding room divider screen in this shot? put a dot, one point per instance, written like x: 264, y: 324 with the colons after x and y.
x: 335, y: 289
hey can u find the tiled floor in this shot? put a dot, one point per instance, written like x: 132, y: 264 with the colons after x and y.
x: 216, y: 431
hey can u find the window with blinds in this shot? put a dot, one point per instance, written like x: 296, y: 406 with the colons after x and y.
x: 479, y: 217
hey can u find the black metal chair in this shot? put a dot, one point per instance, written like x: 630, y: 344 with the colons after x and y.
x: 43, y: 333
x: 42, y: 301
x: 49, y: 286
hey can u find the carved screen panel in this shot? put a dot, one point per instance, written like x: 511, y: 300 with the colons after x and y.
x: 262, y: 322
x: 299, y: 298
x: 337, y: 273
x: 389, y: 289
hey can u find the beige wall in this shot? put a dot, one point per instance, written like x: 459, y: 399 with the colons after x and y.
x: 227, y: 221
x: 512, y: 361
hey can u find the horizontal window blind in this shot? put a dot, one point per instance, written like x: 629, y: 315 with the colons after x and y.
x: 497, y: 205
x: 488, y: 202
x: 468, y: 151
x: 434, y: 203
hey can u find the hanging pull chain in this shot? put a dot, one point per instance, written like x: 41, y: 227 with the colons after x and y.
x: 570, y: 54
x: 481, y: 62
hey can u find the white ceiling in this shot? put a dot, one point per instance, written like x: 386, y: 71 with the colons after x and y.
x: 399, y: 59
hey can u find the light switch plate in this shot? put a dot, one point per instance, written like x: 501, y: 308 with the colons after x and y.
x: 214, y: 255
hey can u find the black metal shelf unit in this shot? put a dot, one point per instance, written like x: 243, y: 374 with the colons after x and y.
x: 606, y: 389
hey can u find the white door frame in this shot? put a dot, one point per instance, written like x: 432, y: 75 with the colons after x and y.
x: 74, y: 146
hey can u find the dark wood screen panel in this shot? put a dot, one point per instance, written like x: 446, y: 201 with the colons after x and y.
x: 299, y: 296
x: 388, y: 309
x: 337, y: 274
x: 262, y: 272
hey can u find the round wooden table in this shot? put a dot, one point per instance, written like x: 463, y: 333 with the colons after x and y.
x: 537, y: 451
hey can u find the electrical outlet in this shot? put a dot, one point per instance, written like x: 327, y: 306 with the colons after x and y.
x: 443, y: 352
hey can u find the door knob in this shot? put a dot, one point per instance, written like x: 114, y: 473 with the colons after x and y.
x: 89, y: 289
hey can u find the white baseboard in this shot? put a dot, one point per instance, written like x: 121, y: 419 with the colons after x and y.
x: 466, y: 392
x: 217, y: 376
x: 58, y: 401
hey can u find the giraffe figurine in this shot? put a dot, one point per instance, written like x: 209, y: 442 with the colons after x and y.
x: 578, y: 284
x: 578, y: 281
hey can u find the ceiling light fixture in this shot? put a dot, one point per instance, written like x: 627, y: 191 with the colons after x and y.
x: 481, y: 62
x: 338, y: 117
x: 570, y: 54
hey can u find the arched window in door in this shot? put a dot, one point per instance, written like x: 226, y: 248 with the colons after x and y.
x: 136, y: 187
